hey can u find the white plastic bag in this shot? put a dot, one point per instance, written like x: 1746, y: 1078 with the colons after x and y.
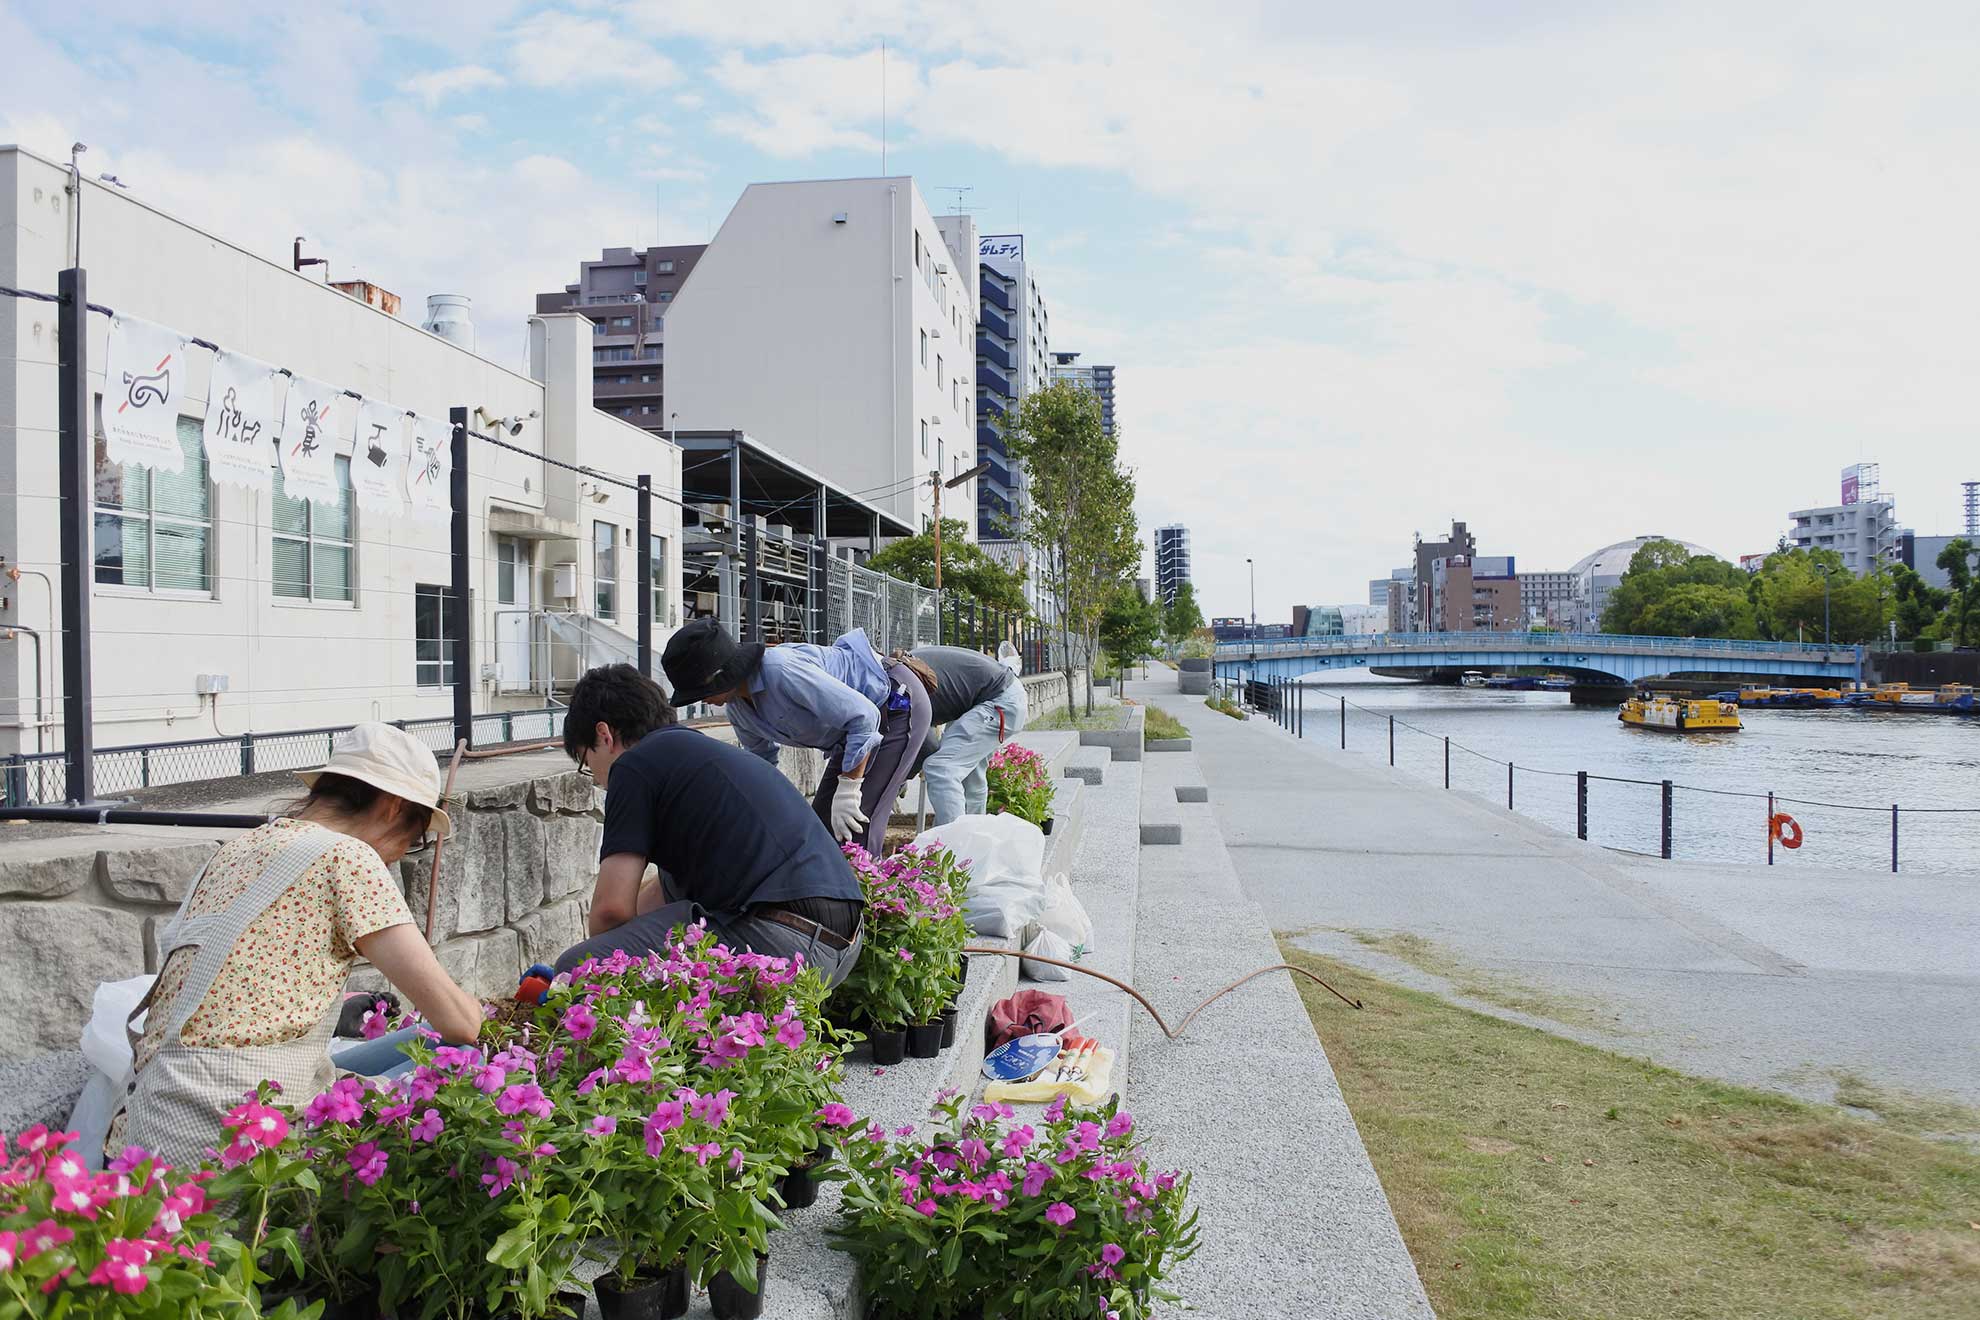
x: 1061, y: 930
x: 1006, y: 863
x: 107, y: 1046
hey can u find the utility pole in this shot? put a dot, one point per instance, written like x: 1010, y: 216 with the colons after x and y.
x: 935, y: 480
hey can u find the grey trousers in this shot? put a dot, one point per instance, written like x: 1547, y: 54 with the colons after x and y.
x: 902, y: 732
x: 650, y: 931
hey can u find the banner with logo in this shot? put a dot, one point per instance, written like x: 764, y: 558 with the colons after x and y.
x: 241, y: 421
x: 429, y: 469
x: 378, y: 459
x: 144, y: 382
x: 311, y: 440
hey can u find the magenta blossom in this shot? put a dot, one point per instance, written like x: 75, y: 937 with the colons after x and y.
x: 580, y: 1021
x: 712, y: 1109
x: 1060, y: 1213
x: 603, y: 1125
x: 123, y: 1266
x: 428, y: 1127
x: 501, y: 1174
x: 836, y: 1115
x: 1120, y: 1124
x: 705, y: 1152
x: 367, y: 1162
x: 1036, y: 1175
x: 524, y: 1098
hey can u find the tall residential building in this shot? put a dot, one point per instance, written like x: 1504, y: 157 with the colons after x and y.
x: 1422, y: 615
x: 1865, y: 534
x: 626, y: 295
x: 1473, y: 594
x: 1379, y: 588
x: 1013, y: 358
x: 1099, y: 379
x: 829, y: 320
x: 1548, y: 598
x: 1171, y: 560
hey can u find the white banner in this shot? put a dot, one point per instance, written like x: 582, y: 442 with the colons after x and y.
x: 429, y: 470
x: 144, y: 382
x: 378, y: 460
x: 241, y: 421
x: 311, y: 440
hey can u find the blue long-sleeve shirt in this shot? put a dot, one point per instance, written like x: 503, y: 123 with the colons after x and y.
x: 815, y: 696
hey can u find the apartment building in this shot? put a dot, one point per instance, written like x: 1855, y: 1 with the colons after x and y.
x: 626, y: 295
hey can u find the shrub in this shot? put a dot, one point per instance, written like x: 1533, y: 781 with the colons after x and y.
x: 1019, y: 784
x: 915, y: 930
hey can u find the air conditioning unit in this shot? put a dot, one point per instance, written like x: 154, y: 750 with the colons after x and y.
x: 563, y: 581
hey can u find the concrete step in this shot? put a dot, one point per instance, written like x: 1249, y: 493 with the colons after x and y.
x: 1124, y: 743
x: 1088, y: 763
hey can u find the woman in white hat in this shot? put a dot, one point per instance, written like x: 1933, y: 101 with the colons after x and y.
x: 252, y: 981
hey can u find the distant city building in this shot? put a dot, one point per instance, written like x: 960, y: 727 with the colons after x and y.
x: 1229, y: 629
x: 1474, y: 594
x: 1171, y: 560
x: 1548, y: 598
x: 1920, y: 554
x: 1099, y: 379
x: 1865, y: 533
x: 1459, y: 544
x: 1362, y: 620
x: 1013, y: 358
x: 626, y: 294
x: 1752, y: 563
x: 1598, y: 574
x: 1379, y: 588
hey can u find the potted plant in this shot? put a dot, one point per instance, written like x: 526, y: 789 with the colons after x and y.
x: 984, y: 1216
x: 915, y: 928
x: 1019, y: 785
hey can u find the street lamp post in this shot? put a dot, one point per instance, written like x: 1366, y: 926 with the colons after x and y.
x: 1824, y: 570
x: 1253, y: 568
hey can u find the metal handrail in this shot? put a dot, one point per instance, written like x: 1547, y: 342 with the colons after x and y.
x: 1530, y: 641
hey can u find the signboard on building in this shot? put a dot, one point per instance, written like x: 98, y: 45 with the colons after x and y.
x: 1752, y: 563
x: 1492, y: 566
x: 1850, y: 485
x: 1005, y: 252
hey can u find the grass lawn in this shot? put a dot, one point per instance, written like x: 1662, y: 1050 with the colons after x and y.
x: 1161, y: 724
x: 1534, y: 1176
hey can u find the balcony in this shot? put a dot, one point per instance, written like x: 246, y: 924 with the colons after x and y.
x: 989, y: 408
x: 990, y: 443
x: 988, y: 350
x: 997, y: 326
x: 989, y: 382
x: 994, y: 294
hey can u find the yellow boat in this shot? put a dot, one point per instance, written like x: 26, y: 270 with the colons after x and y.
x: 1680, y: 714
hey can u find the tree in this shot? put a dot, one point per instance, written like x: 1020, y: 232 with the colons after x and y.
x: 1789, y: 602
x: 1962, y: 622
x: 1181, y: 616
x: 1079, y: 520
x: 1130, y: 626
x: 966, y: 569
x: 1670, y: 592
x: 1918, y: 607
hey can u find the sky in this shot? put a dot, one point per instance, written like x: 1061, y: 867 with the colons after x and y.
x: 1570, y: 272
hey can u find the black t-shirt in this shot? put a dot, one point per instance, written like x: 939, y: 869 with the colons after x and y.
x: 963, y: 679
x: 727, y: 828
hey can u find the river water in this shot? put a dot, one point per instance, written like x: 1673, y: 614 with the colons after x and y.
x: 1844, y: 768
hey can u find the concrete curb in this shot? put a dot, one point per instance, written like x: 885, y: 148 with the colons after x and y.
x: 1166, y: 745
x: 1158, y: 833
x: 1192, y: 792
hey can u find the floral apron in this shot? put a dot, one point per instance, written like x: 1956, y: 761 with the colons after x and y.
x: 176, y: 1103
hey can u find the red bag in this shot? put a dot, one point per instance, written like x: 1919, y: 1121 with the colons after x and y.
x: 1026, y: 1013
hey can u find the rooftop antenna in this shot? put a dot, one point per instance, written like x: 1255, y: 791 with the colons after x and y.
x: 960, y: 190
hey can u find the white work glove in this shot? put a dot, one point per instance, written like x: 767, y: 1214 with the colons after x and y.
x: 846, y: 817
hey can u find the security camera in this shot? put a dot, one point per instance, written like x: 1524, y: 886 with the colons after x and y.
x: 515, y: 425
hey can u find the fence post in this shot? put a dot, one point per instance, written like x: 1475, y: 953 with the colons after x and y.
x: 1509, y: 768
x: 1770, y: 827
x: 1447, y: 761
x: 247, y: 753
x: 1302, y: 710
x: 1893, y: 838
x: 76, y: 467
x: 509, y: 723
x: 1667, y: 820
x: 643, y: 558
x: 1344, y: 724
x: 1581, y: 804
x: 463, y: 630
x: 14, y: 792
x: 1392, y: 740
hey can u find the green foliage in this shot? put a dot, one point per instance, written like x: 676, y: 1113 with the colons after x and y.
x: 1961, y: 624
x: 1181, y: 617
x: 965, y: 567
x: 1201, y: 644
x: 1019, y: 784
x: 1669, y: 592
x: 1788, y: 603
x: 909, y: 964
x: 1130, y: 626
x: 1225, y: 706
x: 1917, y: 607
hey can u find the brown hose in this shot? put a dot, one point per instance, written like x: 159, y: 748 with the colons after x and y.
x: 1139, y: 999
x: 433, y: 880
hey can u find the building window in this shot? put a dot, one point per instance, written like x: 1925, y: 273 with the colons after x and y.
x: 312, y: 543
x: 605, y: 570
x: 656, y: 556
x: 154, y: 529
x: 939, y: 380
x: 955, y: 393
x: 511, y: 566
x: 622, y: 322
x: 647, y: 378
x: 917, y: 249
x: 645, y: 408
x: 924, y: 439
x: 433, y: 656
x: 924, y: 348
x: 597, y: 327
x: 664, y: 267
x: 663, y: 296
x: 639, y: 278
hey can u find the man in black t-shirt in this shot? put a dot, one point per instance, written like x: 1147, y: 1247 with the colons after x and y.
x: 734, y: 842
x: 981, y: 703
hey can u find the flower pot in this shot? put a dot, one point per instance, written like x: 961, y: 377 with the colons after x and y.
x: 1047, y: 826
x: 359, y: 1306
x: 948, y: 1020
x: 664, y: 1298
x: 888, y: 1044
x: 924, y: 1040
x: 799, y: 1188
x: 731, y: 1301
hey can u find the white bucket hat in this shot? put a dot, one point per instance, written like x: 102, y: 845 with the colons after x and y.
x: 392, y: 761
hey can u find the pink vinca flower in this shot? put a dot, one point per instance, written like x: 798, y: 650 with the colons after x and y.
x: 1060, y: 1213
x: 44, y: 1236
x: 123, y: 1266
x: 836, y: 1115
x: 376, y: 1022
x: 603, y: 1125
x: 10, y: 1250
x: 500, y: 1175
x: 524, y: 1098
x: 705, y: 1152
x: 367, y: 1162
x: 1036, y: 1175
x: 791, y: 1035
x: 580, y: 1022
x: 712, y: 1109
x: 428, y: 1127
x: 1120, y: 1124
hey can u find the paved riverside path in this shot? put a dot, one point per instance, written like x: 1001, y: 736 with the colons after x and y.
x: 1781, y: 978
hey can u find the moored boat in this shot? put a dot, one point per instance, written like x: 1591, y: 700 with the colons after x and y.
x: 1680, y: 714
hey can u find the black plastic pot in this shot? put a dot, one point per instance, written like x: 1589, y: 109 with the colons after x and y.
x: 798, y: 1188
x: 924, y: 1040
x: 664, y: 1298
x: 1047, y: 826
x: 948, y: 1020
x: 364, y: 1306
x: 731, y: 1301
x: 888, y: 1045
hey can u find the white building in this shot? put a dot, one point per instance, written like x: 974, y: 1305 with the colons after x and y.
x: 829, y: 320
x: 1865, y: 534
x: 1548, y: 598
x: 314, y: 615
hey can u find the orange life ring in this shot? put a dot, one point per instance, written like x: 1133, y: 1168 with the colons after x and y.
x: 1783, y: 827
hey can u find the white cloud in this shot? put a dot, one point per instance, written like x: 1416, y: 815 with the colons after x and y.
x: 437, y: 86
x: 556, y: 49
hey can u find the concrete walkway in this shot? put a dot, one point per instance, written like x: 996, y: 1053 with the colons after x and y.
x: 1781, y: 978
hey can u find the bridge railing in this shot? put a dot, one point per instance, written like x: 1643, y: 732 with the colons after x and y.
x: 1539, y: 642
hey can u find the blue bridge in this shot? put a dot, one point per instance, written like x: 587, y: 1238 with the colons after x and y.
x: 1593, y: 660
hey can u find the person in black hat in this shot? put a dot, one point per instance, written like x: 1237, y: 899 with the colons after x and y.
x: 869, y: 715
x: 735, y: 847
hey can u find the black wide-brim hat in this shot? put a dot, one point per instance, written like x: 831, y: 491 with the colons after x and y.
x: 701, y: 660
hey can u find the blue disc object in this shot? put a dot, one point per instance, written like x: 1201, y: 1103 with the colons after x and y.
x: 1016, y: 1060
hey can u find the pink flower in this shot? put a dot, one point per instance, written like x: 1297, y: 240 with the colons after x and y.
x: 378, y: 1021
x: 342, y: 1103
x: 736, y: 1159
x: 1057, y: 1109
x: 665, y: 1118
x: 836, y: 1115
x: 123, y: 1266
x: 9, y: 1250
x: 490, y: 1079
x: 580, y: 1022
x: 973, y: 1152
x: 925, y: 1207
x: 1036, y: 1175
x: 45, y: 1235
x: 1060, y: 1213
x: 66, y: 1167
x: 591, y: 1080
x: 705, y: 1152
x: 38, y: 1138
x: 712, y: 1109
x: 1112, y: 1254
x: 428, y: 1127
x: 502, y: 1173
x: 791, y: 1035
x: 544, y: 1151
x: 367, y: 1162
x: 75, y: 1199
x: 258, y: 1124
x: 603, y: 1125
x: 524, y: 1098
x: 1120, y: 1124
x: 1016, y: 1140
x: 905, y: 955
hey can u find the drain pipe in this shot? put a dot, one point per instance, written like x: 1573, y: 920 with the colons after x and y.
x: 14, y: 631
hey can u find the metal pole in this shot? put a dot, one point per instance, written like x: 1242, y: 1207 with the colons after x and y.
x: 1893, y: 838
x: 1581, y: 804
x: 1667, y: 820
x: 78, y: 453
x: 1447, y: 761
x: 1344, y: 724
x: 1392, y: 740
x: 463, y: 629
x: 752, y: 584
x: 1509, y: 805
x: 1770, y: 829
x: 644, y: 550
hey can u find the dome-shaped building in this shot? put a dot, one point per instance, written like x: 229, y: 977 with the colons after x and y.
x: 1597, y: 574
